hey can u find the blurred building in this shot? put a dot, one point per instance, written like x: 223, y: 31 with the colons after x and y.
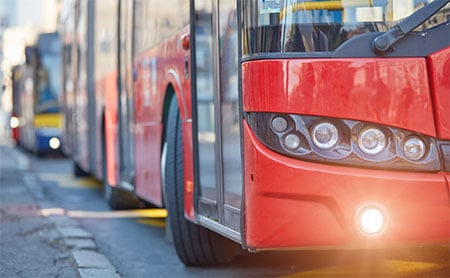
x: 20, y: 22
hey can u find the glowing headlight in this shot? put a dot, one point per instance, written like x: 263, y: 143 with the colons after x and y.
x: 371, y: 141
x: 292, y: 141
x: 279, y: 124
x: 54, y: 143
x: 414, y: 148
x: 371, y: 220
x: 324, y: 135
x: 14, y: 122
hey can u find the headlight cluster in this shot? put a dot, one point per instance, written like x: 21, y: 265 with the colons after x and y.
x: 345, y: 142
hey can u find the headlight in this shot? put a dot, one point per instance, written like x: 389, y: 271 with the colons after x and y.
x: 325, y: 135
x: 14, y: 122
x: 54, y: 143
x: 345, y: 142
x: 372, y: 141
x: 414, y: 148
x: 292, y: 141
x: 279, y: 124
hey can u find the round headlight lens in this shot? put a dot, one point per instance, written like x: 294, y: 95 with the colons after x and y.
x: 325, y: 135
x: 14, y: 122
x: 54, y: 143
x: 279, y: 124
x: 372, y: 141
x: 414, y: 148
x: 292, y: 141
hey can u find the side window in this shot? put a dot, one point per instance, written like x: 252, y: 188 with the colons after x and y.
x: 156, y: 21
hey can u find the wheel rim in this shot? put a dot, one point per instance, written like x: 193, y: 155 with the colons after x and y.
x: 163, y: 171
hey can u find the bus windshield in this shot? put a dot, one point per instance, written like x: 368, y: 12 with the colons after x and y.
x: 320, y: 26
x: 47, y: 73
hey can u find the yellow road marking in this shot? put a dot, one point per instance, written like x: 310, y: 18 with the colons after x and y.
x: 66, y: 180
x: 379, y: 268
x: 137, y: 213
x: 153, y: 222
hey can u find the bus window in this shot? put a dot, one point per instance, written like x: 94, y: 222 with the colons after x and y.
x: 319, y: 26
x: 48, y: 70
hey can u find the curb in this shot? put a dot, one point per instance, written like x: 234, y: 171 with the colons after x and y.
x: 80, y: 243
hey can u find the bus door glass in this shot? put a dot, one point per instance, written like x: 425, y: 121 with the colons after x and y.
x: 215, y: 85
x: 67, y: 32
x: 126, y: 103
x: 80, y: 82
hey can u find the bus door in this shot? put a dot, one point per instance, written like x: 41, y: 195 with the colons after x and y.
x: 83, y: 90
x: 216, y: 121
x: 125, y: 101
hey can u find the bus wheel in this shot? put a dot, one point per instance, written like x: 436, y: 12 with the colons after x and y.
x: 78, y: 171
x: 194, y: 244
x: 119, y: 199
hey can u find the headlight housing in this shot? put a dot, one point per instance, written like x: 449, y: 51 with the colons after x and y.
x: 346, y: 142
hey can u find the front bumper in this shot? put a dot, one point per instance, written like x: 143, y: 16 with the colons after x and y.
x: 44, y: 137
x: 291, y: 203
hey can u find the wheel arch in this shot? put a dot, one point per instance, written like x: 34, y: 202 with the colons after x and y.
x: 169, y: 94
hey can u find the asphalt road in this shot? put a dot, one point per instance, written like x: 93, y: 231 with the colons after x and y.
x: 135, y: 243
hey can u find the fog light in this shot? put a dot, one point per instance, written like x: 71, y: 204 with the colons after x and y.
x: 414, y: 148
x: 325, y: 135
x: 292, y: 141
x: 371, y: 141
x: 54, y: 143
x: 14, y: 122
x: 279, y: 124
x: 371, y: 220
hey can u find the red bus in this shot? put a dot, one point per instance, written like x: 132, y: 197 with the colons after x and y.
x: 270, y: 124
x: 88, y: 30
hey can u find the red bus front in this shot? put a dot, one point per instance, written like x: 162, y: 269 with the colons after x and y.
x: 344, y: 145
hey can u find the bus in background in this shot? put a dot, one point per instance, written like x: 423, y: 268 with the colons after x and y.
x: 88, y: 31
x: 15, y: 98
x: 36, y: 89
x: 271, y: 124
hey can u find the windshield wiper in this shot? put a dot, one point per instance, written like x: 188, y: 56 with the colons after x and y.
x: 382, y: 44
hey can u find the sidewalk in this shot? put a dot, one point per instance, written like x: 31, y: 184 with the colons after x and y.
x: 33, y: 244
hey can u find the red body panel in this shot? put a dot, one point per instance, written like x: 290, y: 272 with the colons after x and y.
x: 111, y: 129
x: 156, y: 70
x: 307, y: 204
x: 148, y: 128
x: 392, y: 92
x: 15, y: 134
x: 439, y: 67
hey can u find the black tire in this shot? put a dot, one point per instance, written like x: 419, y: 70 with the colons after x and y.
x: 78, y: 171
x: 119, y: 199
x: 194, y: 244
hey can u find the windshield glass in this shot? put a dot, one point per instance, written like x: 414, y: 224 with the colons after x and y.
x: 48, y: 72
x: 321, y: 26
